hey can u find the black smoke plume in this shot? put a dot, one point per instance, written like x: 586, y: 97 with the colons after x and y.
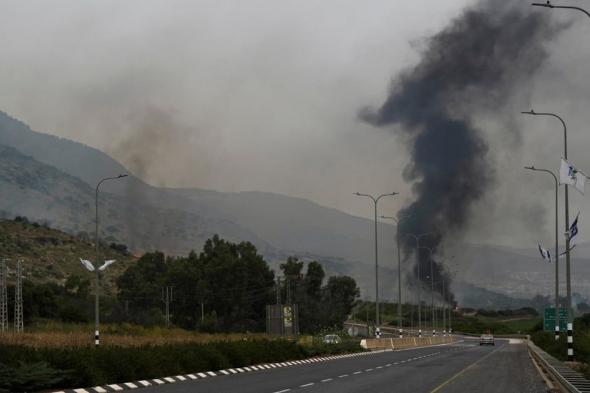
x: 474, y: 64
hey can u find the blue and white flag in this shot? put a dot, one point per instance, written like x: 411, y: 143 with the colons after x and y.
x: 573, y: 229
x: 569, y: 174
x: 545, y: 253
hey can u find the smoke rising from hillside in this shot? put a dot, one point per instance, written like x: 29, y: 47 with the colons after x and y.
x: 474, y: 64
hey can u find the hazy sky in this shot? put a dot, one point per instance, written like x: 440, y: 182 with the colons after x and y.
x: 264, y: 95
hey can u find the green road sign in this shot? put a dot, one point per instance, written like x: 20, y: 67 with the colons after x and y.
x: 549, y: 319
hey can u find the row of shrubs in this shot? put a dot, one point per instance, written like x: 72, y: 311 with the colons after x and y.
x: 29, y: 369
x: 558, y: 349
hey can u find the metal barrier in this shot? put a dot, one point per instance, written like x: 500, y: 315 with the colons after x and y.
x: 567, y: 379
x: 402, y: 343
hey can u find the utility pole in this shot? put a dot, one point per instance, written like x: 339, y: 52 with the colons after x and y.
x: 278, y: 291
x: 399, y: 274
x: 532, y: 168
x: 97, y: 277
x: 570, y: 313
x: 167, y: 298
x: 377, y: 315
x: 3, y: 297
x: 444, y: 310
x: 18, y: 299
x: 417, y: 238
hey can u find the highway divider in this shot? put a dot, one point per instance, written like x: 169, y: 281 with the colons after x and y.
x: 403, y: 343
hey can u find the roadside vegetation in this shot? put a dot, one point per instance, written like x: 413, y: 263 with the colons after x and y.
x: 217, y: 301
x: 25, y: 368
x: 558, y: 349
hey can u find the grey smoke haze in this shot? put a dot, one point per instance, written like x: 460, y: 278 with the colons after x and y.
x: 263, y: 95
x: 483, y: 56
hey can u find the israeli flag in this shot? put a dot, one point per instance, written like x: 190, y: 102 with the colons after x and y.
x: 573, y: 229
x: 545, y: 253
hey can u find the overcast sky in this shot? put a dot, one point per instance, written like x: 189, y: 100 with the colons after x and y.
x: 264, y: 95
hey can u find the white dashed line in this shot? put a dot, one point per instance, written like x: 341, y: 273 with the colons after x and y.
x: 356, y: 372
x: 369, y: 369
x: 283, y: 391
x: 327, y: 380
x: 343, y: 376
x: 306, y: 385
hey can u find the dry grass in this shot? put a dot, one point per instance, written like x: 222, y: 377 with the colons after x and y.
x: 113, y: 335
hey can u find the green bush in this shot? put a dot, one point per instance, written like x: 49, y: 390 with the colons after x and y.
x: 88, y: 366
x: 29, y: 377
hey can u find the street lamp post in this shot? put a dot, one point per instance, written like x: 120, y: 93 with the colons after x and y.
x: 377, y: 316
x: 444, y: 310
x: 97, y: 288
x: 549, y: 5
x: 417, y: 238
x: 532, y: 168
x: 399, y: 275
x: 431, y: 290
x: 568, y: 286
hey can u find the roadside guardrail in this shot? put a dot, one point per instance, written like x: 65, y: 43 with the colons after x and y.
x: 402, y: 343
x: 566, y: 378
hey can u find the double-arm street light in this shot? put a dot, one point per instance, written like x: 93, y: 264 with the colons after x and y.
x: 375, y: 201
x: 532, y: 168
x: 570, y: 315
x: 417, y: 238
x: 399, y: 272
x: 97, y: 269
x: 569, y: 7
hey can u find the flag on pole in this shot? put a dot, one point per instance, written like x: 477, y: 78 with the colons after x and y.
x: 87, y: 264
x: 106, y: 264
x: 573, y: 231
x: 570, y: 175
x: 566, y: 251
x: 580, y: 182
x: 545, y: 253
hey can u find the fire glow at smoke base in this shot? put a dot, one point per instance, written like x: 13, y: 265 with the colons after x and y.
x: 479, y: 60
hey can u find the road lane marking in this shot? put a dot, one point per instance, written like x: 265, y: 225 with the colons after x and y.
x: 343, y: 376
x: 283, y: 391
x: 448, y: 381
x: 327, y: 380
x: 306, y: 385
x: 378, y: 367
x: 369, y: 369
x: 356, y: 372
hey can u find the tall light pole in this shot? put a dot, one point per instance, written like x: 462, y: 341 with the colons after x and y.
x: 549, y: 5
x: 568, y: 286
x: 377, y: 316
x: 399, y: 274
x: 532, y: 168
x: 431, y: 289
x: 417, y: 238
x: 97, y: 288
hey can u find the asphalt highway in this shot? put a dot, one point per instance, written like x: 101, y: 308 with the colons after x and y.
x: 457, y: 368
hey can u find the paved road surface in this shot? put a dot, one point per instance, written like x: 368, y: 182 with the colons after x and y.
x: 457, y: 368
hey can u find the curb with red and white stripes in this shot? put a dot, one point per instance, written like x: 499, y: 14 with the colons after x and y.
x: 210, y: 374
